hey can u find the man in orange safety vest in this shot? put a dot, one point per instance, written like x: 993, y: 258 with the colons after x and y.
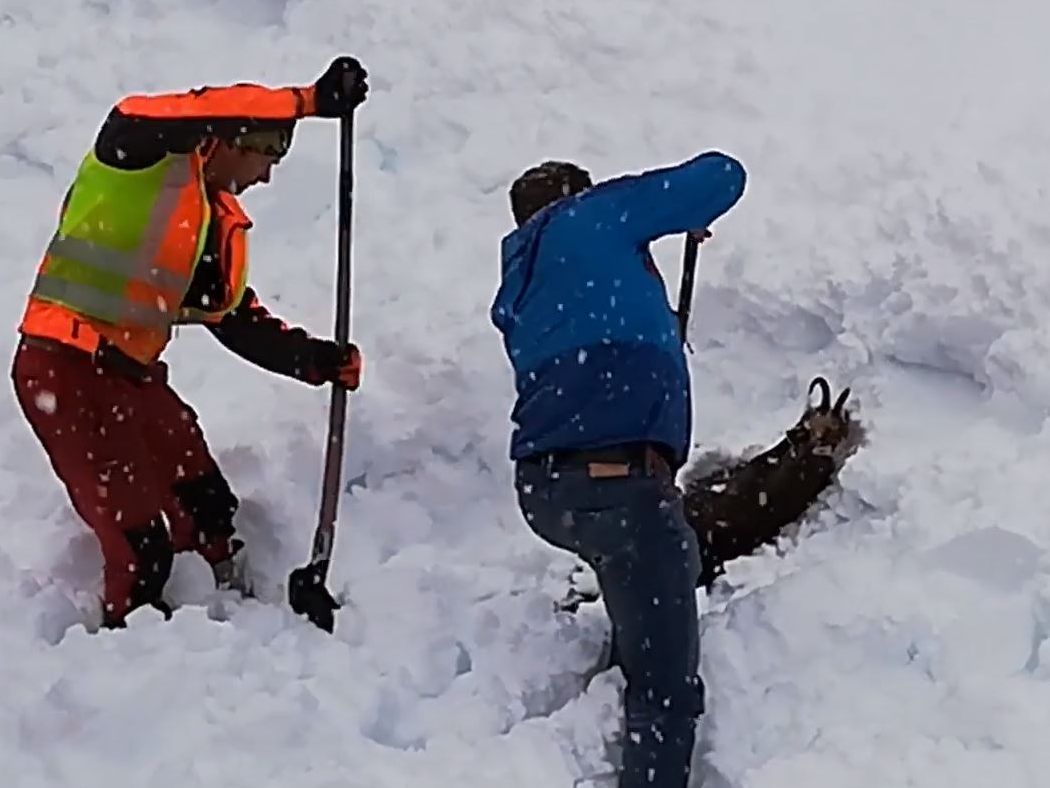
x: 151, y: 235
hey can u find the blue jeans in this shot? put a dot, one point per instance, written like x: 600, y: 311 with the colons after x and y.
x: 632, y: 531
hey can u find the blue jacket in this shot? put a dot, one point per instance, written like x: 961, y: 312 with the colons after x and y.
x: 584, y: 315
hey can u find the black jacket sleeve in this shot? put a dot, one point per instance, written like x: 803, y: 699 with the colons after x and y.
x: 250, y: 331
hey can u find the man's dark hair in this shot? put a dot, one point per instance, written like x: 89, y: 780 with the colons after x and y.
x: 539, y: 186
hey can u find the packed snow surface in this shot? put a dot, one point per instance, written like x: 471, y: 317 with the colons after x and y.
x: 894, y: 236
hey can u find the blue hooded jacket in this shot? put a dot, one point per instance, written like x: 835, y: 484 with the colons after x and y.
x: 594, y: 343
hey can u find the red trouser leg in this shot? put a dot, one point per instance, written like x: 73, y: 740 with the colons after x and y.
x: 92, y: 424
x: 199, y: 503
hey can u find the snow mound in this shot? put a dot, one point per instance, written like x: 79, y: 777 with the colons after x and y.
x: 894, y: 238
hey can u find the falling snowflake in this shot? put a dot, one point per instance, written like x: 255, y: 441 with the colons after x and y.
x: 46, y: 401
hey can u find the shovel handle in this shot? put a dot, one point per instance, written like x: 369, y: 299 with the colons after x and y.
x: 685, y: 291
x: 324, y: 536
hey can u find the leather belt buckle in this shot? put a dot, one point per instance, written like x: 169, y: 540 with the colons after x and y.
x: 608, y: 470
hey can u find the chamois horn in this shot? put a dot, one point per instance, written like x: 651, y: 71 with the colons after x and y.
x: 825, y: 393
x: 837, y: 408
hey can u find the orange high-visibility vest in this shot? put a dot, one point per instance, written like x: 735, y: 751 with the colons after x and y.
x: 124, y: 254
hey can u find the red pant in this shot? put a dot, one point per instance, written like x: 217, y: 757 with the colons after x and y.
x: 128, y: 450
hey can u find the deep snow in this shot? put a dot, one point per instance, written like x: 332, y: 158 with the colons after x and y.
x: 894, y: 237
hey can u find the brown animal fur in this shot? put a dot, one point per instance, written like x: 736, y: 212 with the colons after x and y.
x: 737, y: 508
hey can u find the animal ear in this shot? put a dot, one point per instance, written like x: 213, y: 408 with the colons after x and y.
x: 825, y: 394
x: 798, y: 434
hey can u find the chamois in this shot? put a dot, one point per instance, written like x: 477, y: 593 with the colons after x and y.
x: 737, y: 508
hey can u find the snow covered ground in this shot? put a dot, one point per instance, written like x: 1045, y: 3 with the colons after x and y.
x: 894, y: 236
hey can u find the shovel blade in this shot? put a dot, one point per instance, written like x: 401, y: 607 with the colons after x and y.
x: 308, y: 596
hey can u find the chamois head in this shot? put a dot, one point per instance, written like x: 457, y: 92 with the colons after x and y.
x: 825, y: 428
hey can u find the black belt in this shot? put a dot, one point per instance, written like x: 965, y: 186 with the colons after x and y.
x: 106, y: 356
x: 46, y: 343
x: 609, y: 461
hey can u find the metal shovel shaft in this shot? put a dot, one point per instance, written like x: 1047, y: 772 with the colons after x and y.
x: 324, y: 536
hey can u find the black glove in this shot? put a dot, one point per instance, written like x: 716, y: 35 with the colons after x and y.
x: 340, y: 88
x: 334, y: 364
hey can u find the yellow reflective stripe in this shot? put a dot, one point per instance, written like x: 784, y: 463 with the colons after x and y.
x: 109, y: 308
x: 127, y: 264
x: 175, y: 179
x: 137, y: 266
